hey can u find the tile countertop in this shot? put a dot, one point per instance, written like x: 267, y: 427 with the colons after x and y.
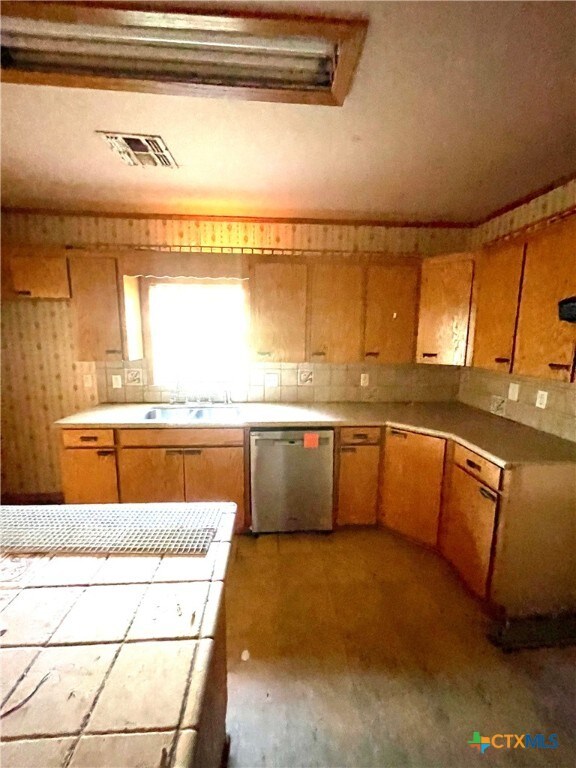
x: 82, y: 633
x: 499, y: 440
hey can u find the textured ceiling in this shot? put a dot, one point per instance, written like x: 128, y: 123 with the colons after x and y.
x: 457, y: 109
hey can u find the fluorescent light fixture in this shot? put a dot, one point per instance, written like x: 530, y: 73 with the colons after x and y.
x: 122, y: 47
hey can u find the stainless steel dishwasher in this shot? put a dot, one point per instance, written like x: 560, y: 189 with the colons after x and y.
x: 291, y: 472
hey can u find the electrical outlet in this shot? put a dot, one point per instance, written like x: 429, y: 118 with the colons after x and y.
x: 271, y: 379
x: 87, y: 380
x: 364, y: 379
x: 541, y: 398
x: 497, y: 405
x: 513, y: 391
x: 116, y: 381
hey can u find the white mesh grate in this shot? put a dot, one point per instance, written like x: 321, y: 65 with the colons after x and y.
x: 156, y: 529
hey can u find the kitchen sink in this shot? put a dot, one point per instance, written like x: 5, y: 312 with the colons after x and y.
x: 186, y: 414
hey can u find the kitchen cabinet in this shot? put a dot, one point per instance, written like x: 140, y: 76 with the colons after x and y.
x: 156, y: 465
x: 467, y: 528
x: 412, y: 484
x: 497, y: 276
x: 358, y: 484
x: 278, y: 312
x: 35, y: 276
x: 545, y: 345
x: 95, y: 308
x: 443, y: 322
x: 336, y: 313
x: 391, y: 313
x: 88, y: 466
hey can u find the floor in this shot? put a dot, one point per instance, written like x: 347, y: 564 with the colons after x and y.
x: 360, y: 649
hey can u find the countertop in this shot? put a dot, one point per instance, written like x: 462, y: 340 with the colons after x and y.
x: 113, y: 652
x: 500, y: 440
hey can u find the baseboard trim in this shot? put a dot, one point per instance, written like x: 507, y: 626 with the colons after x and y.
x: 32, y: 498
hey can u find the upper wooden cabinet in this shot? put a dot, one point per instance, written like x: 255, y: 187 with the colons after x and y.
x: 391, y: 313
x: 545, y: 344
x: 336, y: 313
x: 35, y: 276
x: 497, y: 275
x: 95, y: 308
x: 278, y: 312
x: 444, y: 318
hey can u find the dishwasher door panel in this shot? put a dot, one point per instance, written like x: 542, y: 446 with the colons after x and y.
x: 291, y: 485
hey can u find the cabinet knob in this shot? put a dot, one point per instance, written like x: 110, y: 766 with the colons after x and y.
x: 193, y: 452
x: 88, y: 439
x: 24, y: 293
x: 174, y: 452
x: 318, y: 354
x: 105, y: 453
x: 473, y: 465
x: 113, y: 351
x: 429, y: 354
x: 264, y: 354
x: 347, y: 449
x: 559, y: 366
x: 398, y: 433
x: 487, y: 494
x: 372, y: 354
x: 501, y: 359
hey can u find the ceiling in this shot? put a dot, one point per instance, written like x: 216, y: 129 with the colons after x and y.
x: 457, y: 109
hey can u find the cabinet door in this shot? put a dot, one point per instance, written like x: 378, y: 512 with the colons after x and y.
x: 216, y: 474
x: 497, y: 274
x: 278, y: 312
x: 40, y: 277
x: 151, y: 474
x: 391, y: 313
x: 444, y: 312
x: 336, y: 314
x: 89, y: 476
x: 412, y: 484
x: 467, y: 528
x: 95, y: 308
x: 358, y: 484
x: 545, y: 344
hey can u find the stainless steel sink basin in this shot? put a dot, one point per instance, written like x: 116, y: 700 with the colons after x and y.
x: 185, y: 414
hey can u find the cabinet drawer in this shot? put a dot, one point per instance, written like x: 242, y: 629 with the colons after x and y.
x: 478, y: 466
x: 360, y: 435
x: 88, y: 438
x: 180, y: 437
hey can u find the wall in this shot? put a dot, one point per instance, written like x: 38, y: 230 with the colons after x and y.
x: 42, y: 382
x: 489, y: 391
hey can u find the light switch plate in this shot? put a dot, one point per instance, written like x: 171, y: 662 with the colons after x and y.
x: 364, y: 379
x: 116, y: 381
x: 541, y: 398
x: 271, y: 380
x: 513, y: 391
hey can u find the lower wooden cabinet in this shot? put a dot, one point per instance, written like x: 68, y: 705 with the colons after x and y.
x: 412, y: 484
x: 89, y: 475
x: 150, y: 475
x: 467, y: 528
x: 216, y: 474
x: 358, y: 484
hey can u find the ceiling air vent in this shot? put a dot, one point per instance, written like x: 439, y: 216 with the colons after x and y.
x: 136, y: 149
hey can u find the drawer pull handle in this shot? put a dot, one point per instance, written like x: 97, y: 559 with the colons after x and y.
x: 113, y: 351
x: 372, y: 354
x: 559, y: 366
x: 88, y: 439
x: 488, y: 495
x: 264, y: 354
x: 318, y: 354
x: 429, y: 354
x: 193, y: 452
x: 24, y: 293
x: 104, y: 453
x: 398, y: 433
x: 174, y: 452
x: 348, y: 449
x: 473, y: 465
x: 501, y: 359
x: 360, y: 436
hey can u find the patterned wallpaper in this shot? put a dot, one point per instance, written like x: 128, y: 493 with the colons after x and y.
x: 42, y: 382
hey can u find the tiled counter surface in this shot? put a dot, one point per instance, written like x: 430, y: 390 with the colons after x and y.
x: 122, y: 649
x: 504, y: 442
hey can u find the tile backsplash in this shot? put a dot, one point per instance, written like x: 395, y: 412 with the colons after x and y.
x: 489, y: 391
x: 294, y: 383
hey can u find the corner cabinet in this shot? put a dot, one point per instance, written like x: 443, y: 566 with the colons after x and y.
x: 412, y: 477
x: 545, y: 345
x: 445, y: 302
